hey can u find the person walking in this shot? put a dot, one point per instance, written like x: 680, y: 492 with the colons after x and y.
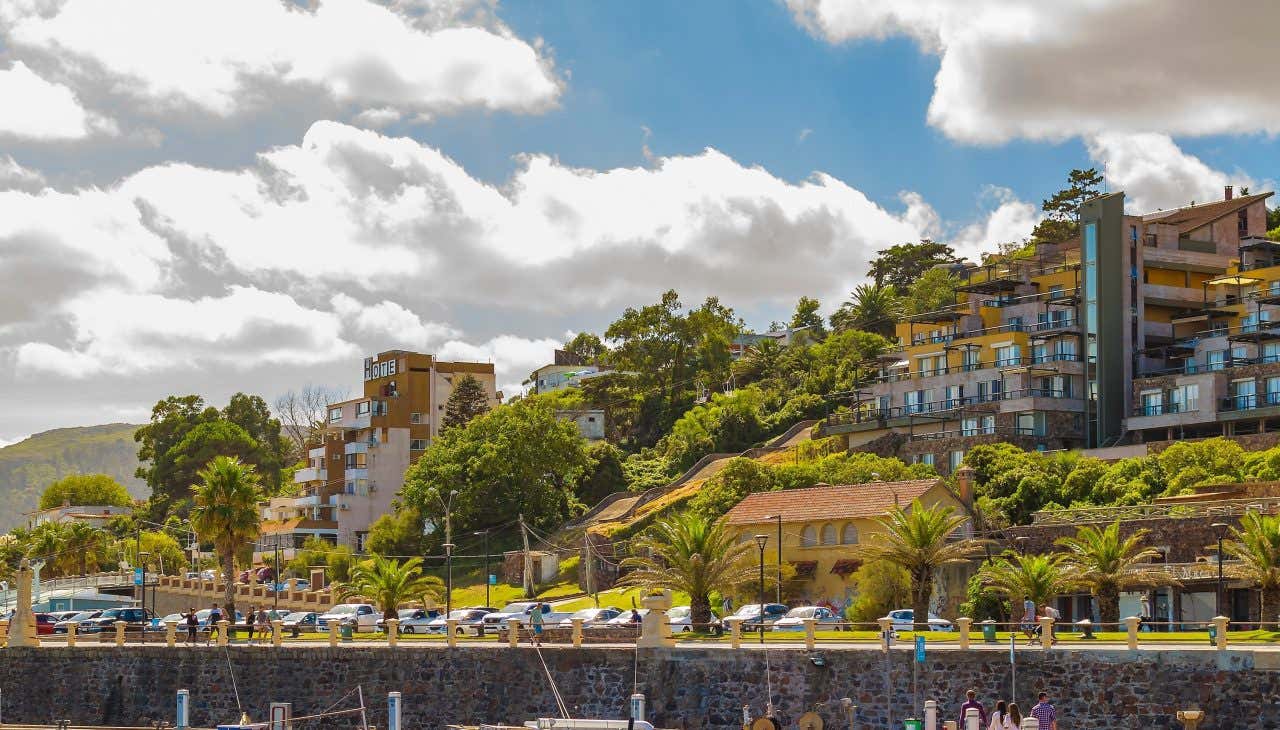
x: 535, y: 623
x: 248, y: 621
x: 999, y: 716
x: 726, y: 607
x: 1029, y: 619
x: 215, y: 615
x: 264, y: 624
x: 971, y: 703
x: 1014, y: 720
x: 193, y: 624
x: 1053, y: 613
x: 1045, y: 713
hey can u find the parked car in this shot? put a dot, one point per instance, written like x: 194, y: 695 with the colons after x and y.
x: 298, y: 621
x: 301, y: 585
x: 80, y: 616
x: 134, y: 618
x: 625, y: 618
x: 590, y: 617
x: 192, y: 575
x: 61, y: 615
x: 412, y: 620
x: 904, y: 618
x: 44, y: 623
x: 750, y: 615
x: 470, y: 621
x: 681, y: 620
x: 520, y: 610
x: 794, y: 620
x: 209, y: 574
x: 361, y: 617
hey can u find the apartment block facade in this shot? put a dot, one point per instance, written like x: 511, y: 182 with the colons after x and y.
x: 369, y: 442
x: 1065, y: 348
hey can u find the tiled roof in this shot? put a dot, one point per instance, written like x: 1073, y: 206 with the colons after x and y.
x: 843, y: 501
x: 1194, y: 216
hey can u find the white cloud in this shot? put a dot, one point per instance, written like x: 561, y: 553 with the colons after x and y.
x: 126, y: 334
x: 215, y: 56
x: 1044, y: 70
x: 377, y: 118
x: 1011, y: 220
x: 38, y: 109
x: 1156, y: 174
x: 14, y: 176
x: 390, y: 322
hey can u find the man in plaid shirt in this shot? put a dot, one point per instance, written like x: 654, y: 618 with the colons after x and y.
x: 1045, y: 714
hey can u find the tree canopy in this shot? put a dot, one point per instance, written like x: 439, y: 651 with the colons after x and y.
x: 85, y: 489
x: 467, y: 401
x: 1062, y: 221
x: 901, y: 265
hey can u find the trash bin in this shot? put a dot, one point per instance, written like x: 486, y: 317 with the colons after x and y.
x: 1213, y: 633
x: 912, y: 724
x: 989, y: 631
x: 345, y: 631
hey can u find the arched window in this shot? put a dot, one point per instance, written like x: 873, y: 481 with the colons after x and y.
x: 809, y: 536
x: 849, y: 535
x: 828, y: 534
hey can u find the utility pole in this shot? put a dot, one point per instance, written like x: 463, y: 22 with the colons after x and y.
x: 485, y: 532
x: 591, y: 569
x: 528, y: 560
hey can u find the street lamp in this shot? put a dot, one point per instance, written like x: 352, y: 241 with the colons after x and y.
x: 1220, y: 528
x: 761, y: 541
x: 142, y: 563
x: 448, y: 547
x: 778, y: 517
x: 485, y: 532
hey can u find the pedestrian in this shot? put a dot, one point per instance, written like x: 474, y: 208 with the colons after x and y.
x: 215, y: 615
x: 1055, y: 614
x: 1045, y: 713
x: 193, y: 624
x: 264, y: 624
x: 248, y: 622
x: 1014, y: 720
x: 1144, y: 615
x: 1029, y: 618
x: 726, y: 606
x: 535, y: 623
x: 971, y: 703
x: 999, y: 716
x: 635, y: 616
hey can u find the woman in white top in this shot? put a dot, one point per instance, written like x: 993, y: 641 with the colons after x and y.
x: 998, y: 716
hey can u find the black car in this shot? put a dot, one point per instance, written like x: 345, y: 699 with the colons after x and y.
x: 135, y: 619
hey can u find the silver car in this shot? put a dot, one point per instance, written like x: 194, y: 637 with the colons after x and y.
x: 794, y: 620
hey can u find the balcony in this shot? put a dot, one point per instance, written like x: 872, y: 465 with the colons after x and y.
x: 355, y: 473
x: 310, y: 474
x: 355, y: 447
x: 1250, y: 402
x: 316, y: 453
x: 1164, y: 409
x: 1172, y: 296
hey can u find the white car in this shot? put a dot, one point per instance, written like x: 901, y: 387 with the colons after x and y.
x: 625, y: 618
x: 903, y: 620
x: 591, y: 617
x: 412, y: 620
x: 470, y: 621
x: 362, y: 617
x: 681, y: 619
x: 794, y: 620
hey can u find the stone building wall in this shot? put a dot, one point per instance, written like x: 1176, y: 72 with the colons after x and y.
x: 690, y: 688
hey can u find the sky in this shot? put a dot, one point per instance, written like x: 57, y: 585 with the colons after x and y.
x: 252, y: 195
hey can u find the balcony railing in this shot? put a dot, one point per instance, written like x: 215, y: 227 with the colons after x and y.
x: 310, y: 474
x: 1197, y: 367
x: 975, y: 366
x: 1163, y: 409
x: 1031, y: 327
x: 1249, y: 402
x: 868, y: 415
x: 979, y: 431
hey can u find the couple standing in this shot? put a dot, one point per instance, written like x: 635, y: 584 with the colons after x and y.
x: 1008, y: 716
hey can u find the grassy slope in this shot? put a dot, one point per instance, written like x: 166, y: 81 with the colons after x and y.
x: 29, y: 466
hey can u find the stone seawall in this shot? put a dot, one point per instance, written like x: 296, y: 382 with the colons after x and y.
x: 686, y: 687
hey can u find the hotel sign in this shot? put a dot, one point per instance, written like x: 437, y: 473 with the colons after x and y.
x: 374, y: 370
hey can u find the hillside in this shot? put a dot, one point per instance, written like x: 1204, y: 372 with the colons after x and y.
x: 28, y: 466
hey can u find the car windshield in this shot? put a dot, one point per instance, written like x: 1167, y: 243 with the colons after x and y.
x: 296, y: 616
x: 83, y: 615
x: 802, y: 612
x: 586, y: 613
x: 459, y: 615
x: 679, y: 612
x: 516, y: 608
x: 342, y: 608
x: 407, y: 612
x: 749, y: 609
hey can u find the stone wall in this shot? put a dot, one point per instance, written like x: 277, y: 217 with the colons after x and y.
x: 685, y: 687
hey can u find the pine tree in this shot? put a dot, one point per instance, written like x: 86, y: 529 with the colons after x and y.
x: 467, y: 401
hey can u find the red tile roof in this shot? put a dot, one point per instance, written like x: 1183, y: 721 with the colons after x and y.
x: 1194, y: 216
x: 827, y: 502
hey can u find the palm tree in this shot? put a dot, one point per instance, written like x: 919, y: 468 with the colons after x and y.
x: 919, y: 540
x: 85, y: 543
x: 389, y: 583
x: 1038, y: 577
x: 1108, y: 565
x: 692, y: 554
x: 225, y: 513
x: 760, y: 361
x: 871, y: 308
x: 1256, y: 544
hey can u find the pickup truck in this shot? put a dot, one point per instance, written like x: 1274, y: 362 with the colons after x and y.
x: 522, y: 611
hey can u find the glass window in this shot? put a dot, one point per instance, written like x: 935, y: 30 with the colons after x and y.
x: 828, y: 534
x: 1244, y: 393
x: 1273, y: 391
x: 1152, y: 403
x: 418, y: 445
x: 1271, y: 352
x: 955, y: 396
x: 969, y: 427
x: 849, y: 535
x: 927, y: 459
x: 988, y: 424
x: 1216, y: 360
x: 1039, y: 353
x: 955, y: 459
x: 970, y: 359
x: 335, y: 414
x: 362, y: 408
x: 1008, y: 355
x: 1190, y: 397
x: 809, y: 536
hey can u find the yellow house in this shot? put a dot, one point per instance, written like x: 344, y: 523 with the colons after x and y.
x: 822, y: 527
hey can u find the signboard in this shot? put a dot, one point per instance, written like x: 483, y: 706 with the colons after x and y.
x: 393, y: 711
x: 920, y: 649
x: 137, y: 576
x: 184, y: 701
x: 493, y: 579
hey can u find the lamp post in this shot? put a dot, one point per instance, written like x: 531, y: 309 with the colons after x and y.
x: 485, y: 532
x: 142, y: 563
x: 448, y: 547
x: 778, y: 517
x: 276, y: 578
x: 761, y: 541
x: 1219, y: 528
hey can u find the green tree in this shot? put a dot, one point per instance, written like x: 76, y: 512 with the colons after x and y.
x: 388, y: 583
x: 1062, y: 221
x: 467, y: 401
x: 870, y: 309
x: 1256, y: 544
x: 729, y: 486
x: 729, y: 423
x: 603, y: 474
x: 85, y: 489
x: 807, y: 318
x: 225, y: 512
x: 171, y: 419
x: 901, y: 265
x: 919, y: 540
x: 396, y: 533
x: 587, y: 348
x: 516, y: 459
x: 1038, y: 577
x: 760, y: 361
x: 882, y: 586
x: 1108, y: 565
x: 934, y: 290
x: 690, y: 554
x: 250, y: 412
x: 207, y: 441
x: 163, y: 553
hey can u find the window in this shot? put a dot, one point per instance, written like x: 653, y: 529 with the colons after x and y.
x: 955, y: 459
x: 1065, y: 350
x: 969, y: 427
x: 1216, y: 360
x: 1055, y: 291
x: 418, y: 445
x: 849, y: 535
x: 337, y: 457
x: 955, y: 396
x: 1039, y: 353
x: 1239, y: 352
x: 1271, y: 352
x: 925, y: 459
x: 1014, y: 324
x: 1273, y: 391
x: 970, y: 359
x: 1190, y: 397
x: 996, y: 387
x: 335, y: 415
x: 1152, y: 403
x: 988, y: 424
x: 1244, y: 394
x: 1031, y: 424
x: 828, y: 534
x: 809, y: 536
x: 1008, y: 355
x: 415, y: 418
x: 362, y: 408
x: 1242, y: 222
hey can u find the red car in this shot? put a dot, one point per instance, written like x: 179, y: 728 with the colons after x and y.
x: 44, y: 623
